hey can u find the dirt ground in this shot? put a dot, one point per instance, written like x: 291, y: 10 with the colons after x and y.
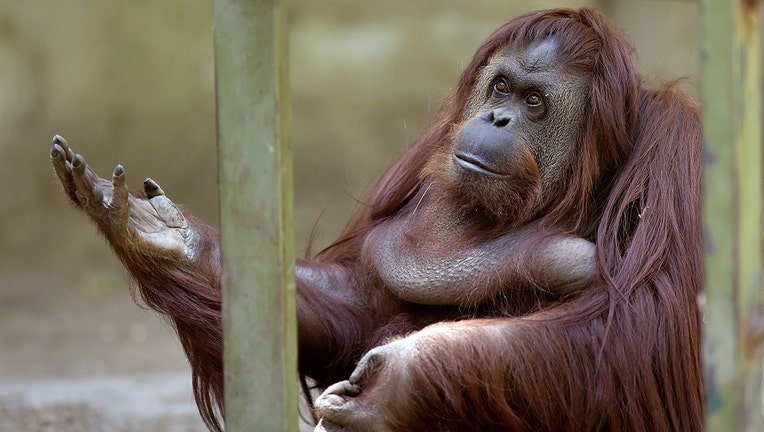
x: 78, y: 356
x: 75, y: 358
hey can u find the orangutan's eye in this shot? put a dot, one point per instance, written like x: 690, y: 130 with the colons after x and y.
x: 501, y: 86
x: 534, y: 99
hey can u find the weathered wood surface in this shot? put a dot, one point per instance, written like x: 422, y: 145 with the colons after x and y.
x: 732, y: 116
x: 253, y: 110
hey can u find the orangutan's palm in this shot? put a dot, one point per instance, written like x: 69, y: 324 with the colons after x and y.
x: 151, y: 226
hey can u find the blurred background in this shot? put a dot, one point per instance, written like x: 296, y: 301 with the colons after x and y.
x: 133, y: 83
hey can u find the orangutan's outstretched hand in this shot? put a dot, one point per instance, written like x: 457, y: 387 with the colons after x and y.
x: 150, y: 225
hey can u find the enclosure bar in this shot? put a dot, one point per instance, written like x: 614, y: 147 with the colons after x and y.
x: 255, y: 181
x: 732, y: 210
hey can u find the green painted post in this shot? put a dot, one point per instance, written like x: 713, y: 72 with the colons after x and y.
x: 732, y: 115
x: 255, y: 178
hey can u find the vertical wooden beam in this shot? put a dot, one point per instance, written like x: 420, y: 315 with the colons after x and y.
x: 255, y: 180
x: 732, y: 116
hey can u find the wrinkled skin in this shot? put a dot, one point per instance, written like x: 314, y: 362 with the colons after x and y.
x: 153, y: 225
x: 507, y: 162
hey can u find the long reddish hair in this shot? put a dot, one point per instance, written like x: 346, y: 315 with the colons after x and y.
x: 634, y: 189
x: 588, y: 44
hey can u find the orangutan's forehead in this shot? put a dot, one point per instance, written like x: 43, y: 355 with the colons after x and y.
x: 536, y: 57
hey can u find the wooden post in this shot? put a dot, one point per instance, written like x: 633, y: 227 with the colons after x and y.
x: 732, y: 119
x: 255, y: 178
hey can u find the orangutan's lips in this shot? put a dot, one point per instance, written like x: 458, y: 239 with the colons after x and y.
x: 474, y: 164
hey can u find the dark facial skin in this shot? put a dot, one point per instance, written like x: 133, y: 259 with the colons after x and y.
x: 524, y: 104
x: 524, y: 121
